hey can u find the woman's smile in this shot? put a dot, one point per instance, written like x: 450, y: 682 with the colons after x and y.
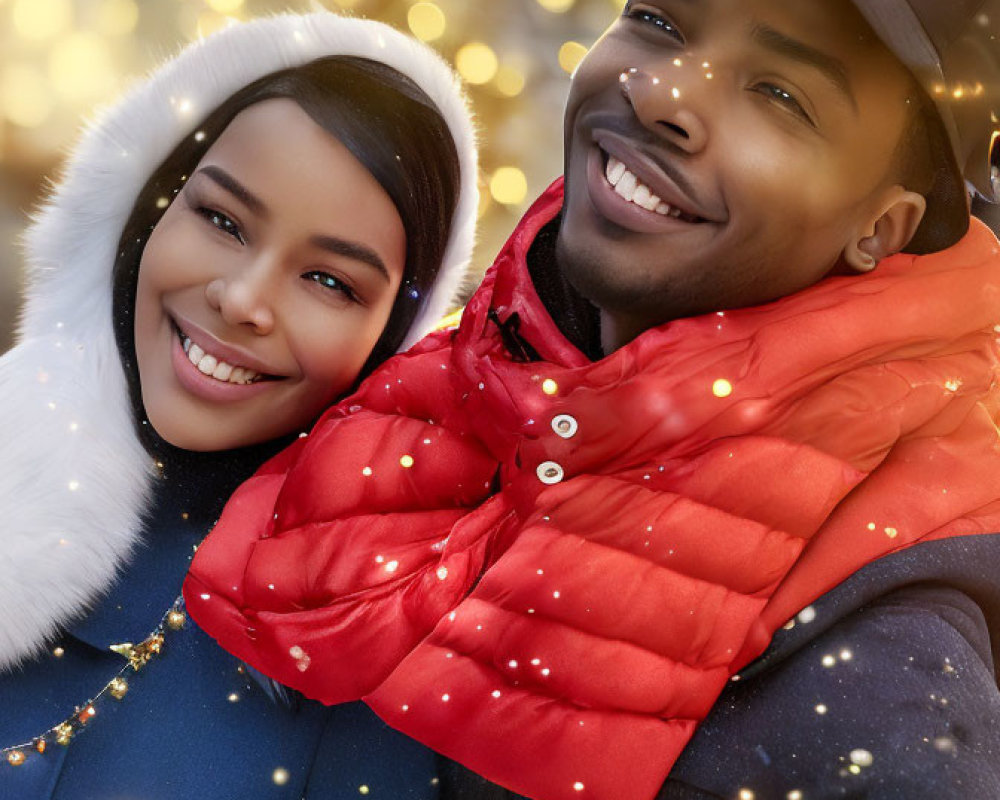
x: 248, y: 322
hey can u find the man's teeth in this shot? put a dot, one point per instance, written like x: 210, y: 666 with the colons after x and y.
x: 628, y: 186
x: 220, y: 370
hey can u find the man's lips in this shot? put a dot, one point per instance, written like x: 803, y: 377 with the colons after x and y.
x: 651, y: 172
x: 618, y: 207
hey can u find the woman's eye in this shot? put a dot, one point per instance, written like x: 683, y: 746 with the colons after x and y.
x: 331, y: 282
x: 219, y: 220
x: 647, y: 16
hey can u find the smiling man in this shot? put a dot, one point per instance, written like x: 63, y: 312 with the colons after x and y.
x: 702, y: 498
x: 719, y: 156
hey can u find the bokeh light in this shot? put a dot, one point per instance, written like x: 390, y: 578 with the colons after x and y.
x: 117, y: 17
x: 209, y: 22
x: 24, y: 95
x: 509, y: 186
x: 476, y: 62
x: 80, y: 67
x: 557, y: 6
x: 41, y: 19
x: 570, y: 55
x: 225, y: 6
x: 509, y: 81
x: 427, y: 21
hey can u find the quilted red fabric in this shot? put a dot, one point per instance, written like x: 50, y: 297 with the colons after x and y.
x: 548, y: 571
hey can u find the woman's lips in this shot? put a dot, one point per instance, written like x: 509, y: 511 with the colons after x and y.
x: 215, y: 366
x: 211, y: 377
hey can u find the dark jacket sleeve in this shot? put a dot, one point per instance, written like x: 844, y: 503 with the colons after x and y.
x: 897, y: 700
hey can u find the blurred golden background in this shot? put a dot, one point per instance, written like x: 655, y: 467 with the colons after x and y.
x: 62, y: 59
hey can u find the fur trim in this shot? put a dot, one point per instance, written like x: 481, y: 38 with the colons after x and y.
x: 76, y: 480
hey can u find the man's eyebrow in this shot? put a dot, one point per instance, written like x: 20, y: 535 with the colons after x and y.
x: 234, y: 187
x: 833, y: 69
x: 352, y: 250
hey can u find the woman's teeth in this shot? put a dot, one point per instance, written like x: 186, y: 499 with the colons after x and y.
x: 216, y: 368
x: 628, y: 186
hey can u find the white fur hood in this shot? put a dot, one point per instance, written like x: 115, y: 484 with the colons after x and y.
x: 75, y: 481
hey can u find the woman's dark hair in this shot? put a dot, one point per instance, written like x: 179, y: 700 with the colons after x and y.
x: 386, y: 122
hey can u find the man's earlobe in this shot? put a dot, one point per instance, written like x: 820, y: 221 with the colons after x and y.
x: 890, y: 231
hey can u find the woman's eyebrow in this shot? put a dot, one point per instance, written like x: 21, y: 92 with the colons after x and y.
x: 234, y: 187
x: 832, y: 68
x: 353, y: 250
x: 333, y: 244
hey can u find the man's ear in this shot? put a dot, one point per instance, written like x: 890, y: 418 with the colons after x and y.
x: 895, y: 222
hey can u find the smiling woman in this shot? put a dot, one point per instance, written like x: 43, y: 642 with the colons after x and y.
x: 259, y: 296
x: 233, y: 247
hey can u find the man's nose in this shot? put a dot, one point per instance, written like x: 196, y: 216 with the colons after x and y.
x: 245, y: 297
x: 669, y: 100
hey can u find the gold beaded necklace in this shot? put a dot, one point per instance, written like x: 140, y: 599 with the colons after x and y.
x: 136, y: 657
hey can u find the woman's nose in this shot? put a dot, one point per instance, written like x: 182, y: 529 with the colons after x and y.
x: 243, y: 299
x: 669, y: 100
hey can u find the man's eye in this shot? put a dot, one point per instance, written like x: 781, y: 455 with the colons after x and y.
x: 647, y: 16
x: 783, y: 98
x: 331, y: 282
x: 219, y: 220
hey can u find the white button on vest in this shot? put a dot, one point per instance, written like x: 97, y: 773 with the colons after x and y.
x: 549, y: 472
x: 565, y: 426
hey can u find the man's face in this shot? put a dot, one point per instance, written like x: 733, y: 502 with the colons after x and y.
x: 767, y: 130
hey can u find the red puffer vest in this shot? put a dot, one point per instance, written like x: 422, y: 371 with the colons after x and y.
x: 548, y: 570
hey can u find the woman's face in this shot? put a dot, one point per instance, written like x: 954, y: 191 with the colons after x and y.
x: 265, y: 285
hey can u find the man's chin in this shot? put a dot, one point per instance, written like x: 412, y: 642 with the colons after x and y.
x: 594, y: 275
